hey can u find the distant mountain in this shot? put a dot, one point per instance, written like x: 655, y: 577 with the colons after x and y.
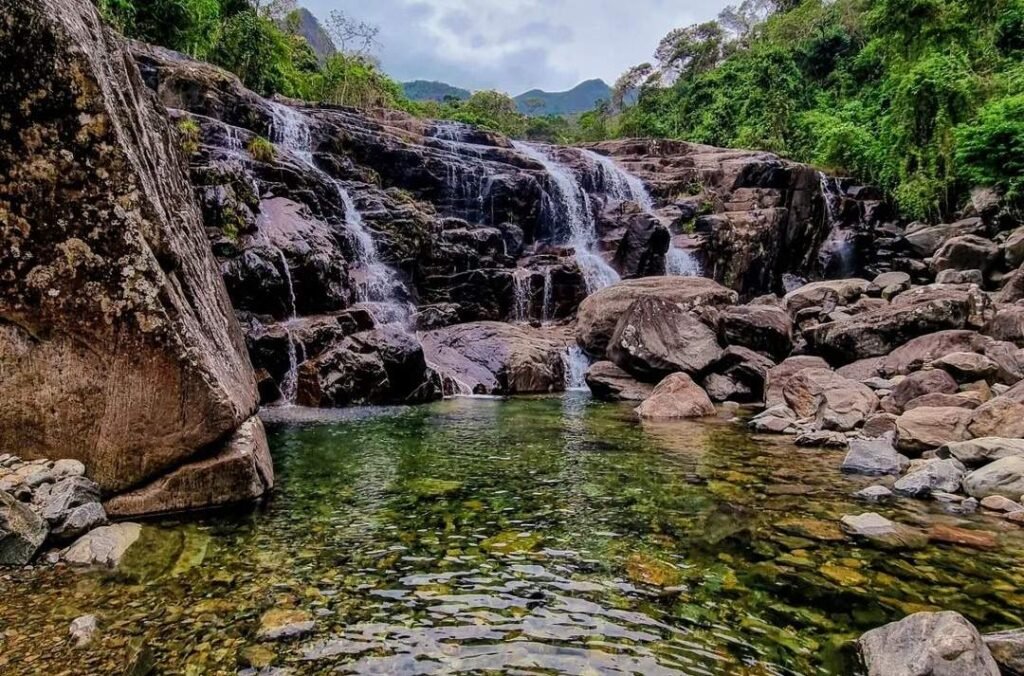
x: 309, y: 27
x: 422, y: 90
x: 579, y: 99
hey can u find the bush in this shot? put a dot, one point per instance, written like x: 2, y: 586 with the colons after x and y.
x: 189, y: 135
x: 262, y: 150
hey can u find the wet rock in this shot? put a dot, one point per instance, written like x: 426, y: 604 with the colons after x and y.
x: 22, y: 532
x: 1007, y: 648
x: 600, y: 313
x: 951, y: 535
x: 927, y: 644
x: 921, y: 383
x: 641, y: 252
x: 284, y: 624
x: 930, y: 476
x: 608, y: 382
x: 814, y: 529
x: 656, y: 337
x: 497, y: 358
x: 822, y: 440
x: 875, y: 494
x: 998, y: 503
x: 979, y: 452
x: 926, y: 428
x: 239, y: 471
x: 833, y: 401
x: 83, y: 630
x: 104, y: 546
x: 135, y: 361
x: 1003, y: 477
x: 966, y: 252
x: 874, y: 457
x: 762, y: 328
x: 677, y: 396
x: 883, y: 532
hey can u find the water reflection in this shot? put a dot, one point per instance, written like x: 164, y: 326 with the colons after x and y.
x: 540, y: 535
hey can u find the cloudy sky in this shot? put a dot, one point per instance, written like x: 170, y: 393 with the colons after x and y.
x: 515, y: 45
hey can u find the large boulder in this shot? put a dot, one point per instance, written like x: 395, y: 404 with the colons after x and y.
x: 497, y: 358
x: 118, y: 343
x: 383, y: 366
x: 922, y: 383
x: 932, y: 476
x: 22, y: 532
x: 874, y: 457
x: 608, y: 382
x: 779, y: 376
x: 837, y: 292
x: 835, y: 403
x: 925, y: 428
x: 967, y: 367
x: 600, y: 313
x: 923, y: 350
x: 999, y: 417
x: 1003, y: 477
x: 912, y: 314
x: 966, y: 252
x: 924, y: 240
x: 656, y: 337
x: 979, y: 452
x: 641, y: 252
x: 762, y: 328
x: 677, y: 396
x: 927, y: 644
x: 1007, y: 649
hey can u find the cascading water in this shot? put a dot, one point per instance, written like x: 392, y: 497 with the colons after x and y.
x: 836, y: 255
x: 548, y: 297
x: 576, y: 364
x: 376, y: 282
x: 573, y: 204
x: 521, y: 291
x: 289, y: 385
x: 623, y: 185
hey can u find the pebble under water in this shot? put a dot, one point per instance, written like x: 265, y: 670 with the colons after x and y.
x: 530, y: 536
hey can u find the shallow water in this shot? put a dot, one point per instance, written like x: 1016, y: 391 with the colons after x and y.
x: 542, y: 535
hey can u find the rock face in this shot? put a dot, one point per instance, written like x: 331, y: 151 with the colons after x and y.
x: 496, y: 358
x: 656, y: 337
x: 677, y: 396
x: 22, y: 532
x: 927, y: 644
x: 118, y: 343
x: 610, y: 383
x: 600, y: 313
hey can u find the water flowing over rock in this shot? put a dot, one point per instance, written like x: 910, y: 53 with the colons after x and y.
x: 118, y: 342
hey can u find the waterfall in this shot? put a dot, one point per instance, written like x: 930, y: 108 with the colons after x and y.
x: 287, y: 273
x: 289, y: 385
x: 576, y: 363
x: 836, y: 246
x: 290, y: 130
x: 623, y: 185
x: 549, y: 294
x: 521, y: 291
x: 573, y: 204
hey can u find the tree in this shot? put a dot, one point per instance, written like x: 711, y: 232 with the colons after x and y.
x: 350, y: 36
x: 685, y: 52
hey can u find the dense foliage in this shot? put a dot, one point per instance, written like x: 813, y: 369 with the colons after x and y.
x: 922, y: 97
x: 258, y: 40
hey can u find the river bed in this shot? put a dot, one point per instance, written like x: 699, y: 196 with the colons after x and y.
x: 534, y: 535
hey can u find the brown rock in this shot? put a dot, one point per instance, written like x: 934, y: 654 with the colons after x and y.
x: 677, y: 396
x: 920, y: 383
x: 835, y: 402
x: 762, y: 328
x: 600, y: 313
x: 118, y: 344
x: 913, y: 355
x: 951, y: 535
x: 924, y: 428
x: 610, y: 383
x: 940, y: 400
x: 838, y: 291
x: 967, y: 367
x: 1000, y: 417
x: 778, y: 376
x: 656, y: 337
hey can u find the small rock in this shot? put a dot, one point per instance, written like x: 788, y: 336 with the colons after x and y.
x: 65, y: 468
x: 282, y: 624
x: 932, y: 475
x: 875, y: 494
x: 874, y: 457
x: 822, y: 440
x: 882, y: 531
x: 83, y: 630
x: 104, y: 546
x: 22, y: 532
x: 978, y: 452
x: 1007, y: 649
x: 959, y: 536
x: 999, y: 503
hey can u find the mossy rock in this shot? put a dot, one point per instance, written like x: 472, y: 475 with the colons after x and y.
x: 512, y: 542
x: 644, y: 569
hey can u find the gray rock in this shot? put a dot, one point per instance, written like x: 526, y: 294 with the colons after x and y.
x: 83, y: 630
x: 960, y: 277
x: 104, y: 546
x: 875, y: 494
x: 978, y: 452
x: 927, y: 644
x: 882, y: 531
x: 1007, y: 648
x: 79, y: 521
x: 944, y: 476
x: 1003, y: 477
x: 64, y: 468
x: 22, y: 532
x: 57, y: 503
x: 874, y: 457
x: 822, y: 440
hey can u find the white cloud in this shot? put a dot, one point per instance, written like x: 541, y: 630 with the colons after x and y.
x: 515, y: 45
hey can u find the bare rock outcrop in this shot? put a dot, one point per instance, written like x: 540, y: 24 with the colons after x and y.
x: 118, y: 345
